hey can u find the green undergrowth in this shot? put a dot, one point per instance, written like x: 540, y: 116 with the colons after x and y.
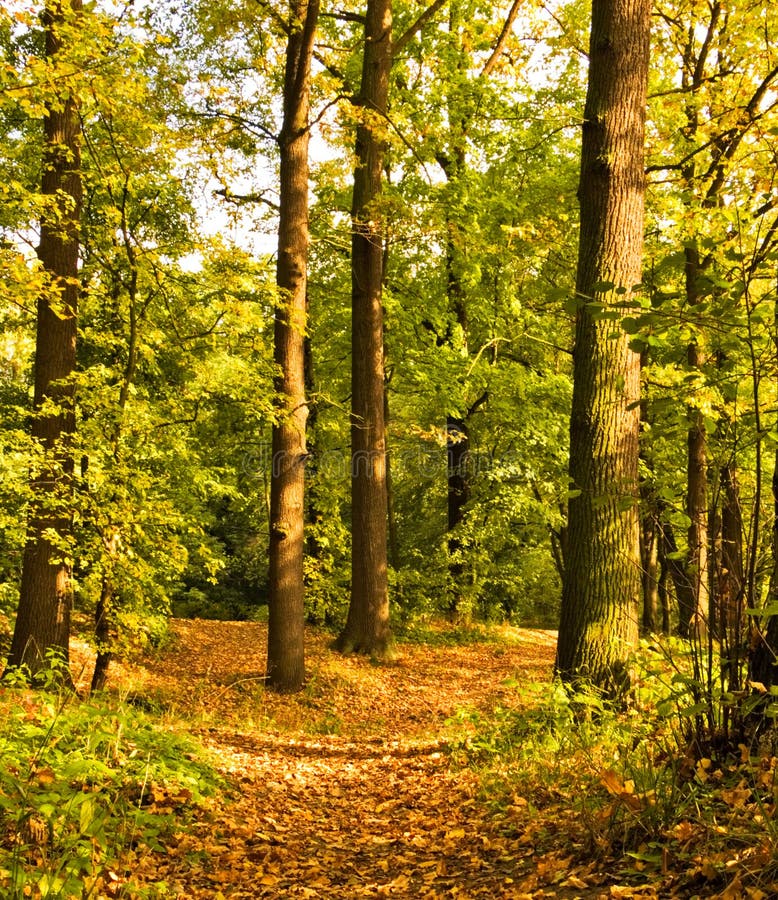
x: 88, y: 790
x: 647, y: 791
x: 437, y: 632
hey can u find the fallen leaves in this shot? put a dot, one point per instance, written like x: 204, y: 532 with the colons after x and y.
x: 343, y: 790
x: 346, y: 790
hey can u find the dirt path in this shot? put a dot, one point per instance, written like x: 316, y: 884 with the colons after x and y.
x: 344, y: 790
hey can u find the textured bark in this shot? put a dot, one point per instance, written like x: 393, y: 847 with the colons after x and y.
x: 763, y: 663
x: 731, y: 577
x: 763, y: 655
x: 458, y: 455
x: 649, y: 553
x: 693, y: 616
x: 367, y: 626
x: 602, y: 584
x: 672, y: 565
x: 43, y: 618
x: 286, y: 624
x: 649, y: 526
x: 391, y: 517
x: 103, y: 635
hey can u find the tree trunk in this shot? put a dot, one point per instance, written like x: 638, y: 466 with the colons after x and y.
x: 458, y: 454
x: 649, y: 553
x: 730, y: 579
x: 367, y: 626
x: 764, y: 641
x: 672, y: 565
x: 43, y: 618
x: 763, y: 657
x: 103, y: 634
x: 602, y: 586
x: 730, y: 611
x: 693, y: 618
x: 285, y: 646
x: 649, y: 525
x: 391, y: 517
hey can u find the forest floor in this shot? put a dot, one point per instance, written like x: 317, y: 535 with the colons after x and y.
x: 348, y: 789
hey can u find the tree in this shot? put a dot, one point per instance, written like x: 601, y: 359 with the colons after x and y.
x: 602, y: 585
x: 367, y: 626
x: 286, y: 655
x: 43, y: 617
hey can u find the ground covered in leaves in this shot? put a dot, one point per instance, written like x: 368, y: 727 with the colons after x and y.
x: 349, y: 789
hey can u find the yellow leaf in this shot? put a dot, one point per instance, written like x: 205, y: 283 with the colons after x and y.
x: 612, y: 783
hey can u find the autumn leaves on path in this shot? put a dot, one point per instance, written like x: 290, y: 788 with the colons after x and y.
x: 344, y: 790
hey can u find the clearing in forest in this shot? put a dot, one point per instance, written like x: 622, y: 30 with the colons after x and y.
x: 350, y: 788
x: 347, y: 788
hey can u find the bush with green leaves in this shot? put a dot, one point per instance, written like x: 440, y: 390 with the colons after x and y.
x: 86, y: 789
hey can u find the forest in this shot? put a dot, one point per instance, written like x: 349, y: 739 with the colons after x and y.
x: 350, y: 350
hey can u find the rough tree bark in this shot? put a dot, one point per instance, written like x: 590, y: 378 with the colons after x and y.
x: 367, y: 627
x: 43, y: 618
x: 602, y: 583
x: 285, y: 646
x: 763, y: 637
x: 693, y: 615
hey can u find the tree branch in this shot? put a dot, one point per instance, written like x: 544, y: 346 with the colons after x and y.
x: 498, y: 47
x: 428, y: 13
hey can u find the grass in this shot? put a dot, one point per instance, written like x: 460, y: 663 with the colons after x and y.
x: 628, y: 790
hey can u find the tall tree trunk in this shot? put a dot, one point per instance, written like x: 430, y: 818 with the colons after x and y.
x: 602, y: 586
x: 649, y: 553
x: 763, y: 639
x: 693, y: 618
x: 763, y: 663
x: 367, y: 627
x: 649, y: 526
x: 105, y: 608
x: 458, y: 455
x: 286, y: 625
x: 391, y: 517
x: 730, y: 596
x: 673, y: 566
x: 43, y: 618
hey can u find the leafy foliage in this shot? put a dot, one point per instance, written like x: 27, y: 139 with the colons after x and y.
x: 87, y: 789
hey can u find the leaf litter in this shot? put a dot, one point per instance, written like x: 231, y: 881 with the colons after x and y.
x: 347, y: 789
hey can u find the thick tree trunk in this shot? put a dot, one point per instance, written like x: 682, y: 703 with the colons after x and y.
x: 367, y: 627
x: 285, y: 648
x: 602, y: 585
x: 43, y: 618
